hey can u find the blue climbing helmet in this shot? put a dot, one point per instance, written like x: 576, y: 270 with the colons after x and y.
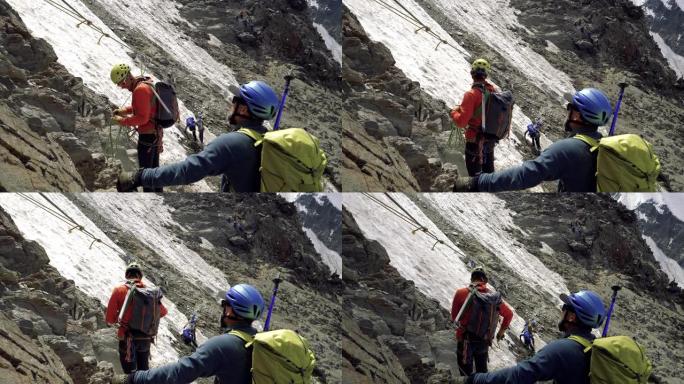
x: 593, y: 105
x: 246, y: 301
x: 261, y: 100
x: 588, y: 307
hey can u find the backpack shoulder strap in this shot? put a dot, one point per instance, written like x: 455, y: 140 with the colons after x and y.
x: 590, y: 141
x: 584, y: 342
x: 256, y: 136
x: 246, y: 337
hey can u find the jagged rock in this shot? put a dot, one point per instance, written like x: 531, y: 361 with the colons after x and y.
x: 68, y: 352
x: 247, y: 38
x: 239, y: 241
x: 405, y: 352
x: 30, y: 323
x: 40, y: 121
x: 297, y: 5
x: 376, y: 125
x: 23, y: 361
x: 446, y: 179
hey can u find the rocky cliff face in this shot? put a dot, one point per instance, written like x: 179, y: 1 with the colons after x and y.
x: 394, y: 134
x: 391, y: 332
x: 319, y: 215
x: 48, y: 119
x: 52, y: 332
x: 666, y: 230
x: 667, y: 22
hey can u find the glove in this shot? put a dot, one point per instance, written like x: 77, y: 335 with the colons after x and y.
x: 466, y: 184
x: 128, y: 181
x: 500, y: 335
x: 122, y: 378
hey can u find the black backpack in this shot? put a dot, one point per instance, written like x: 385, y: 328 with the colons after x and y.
x: 146, y: 312
x: 498, y: 112
x: 484, y: 315
x: 166, y: 102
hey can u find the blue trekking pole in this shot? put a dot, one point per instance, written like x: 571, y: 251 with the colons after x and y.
x: 276, y: 281
x: 288, y: 78
x: 617, y: 108
x: 615, y: 289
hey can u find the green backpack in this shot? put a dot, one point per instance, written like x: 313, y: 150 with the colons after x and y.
x: 279, y: 357
x: 616, y: 359
x: 291, y: 160
x: 625, y: 163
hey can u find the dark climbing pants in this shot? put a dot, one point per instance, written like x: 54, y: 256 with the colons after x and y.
x: 479, y: 155
x: 134, y: 355
x: 472, y: 351
x: 148, y: 155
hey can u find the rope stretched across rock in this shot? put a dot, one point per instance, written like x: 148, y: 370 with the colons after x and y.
x: 64, y: 217
x: 406, y: 216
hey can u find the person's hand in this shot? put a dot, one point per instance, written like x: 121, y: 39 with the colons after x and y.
x: 500, y: 335
x: 465, y: 184
x: 117, y: 120
x: 119, y: 378
x: 118, y: 112
x: 128, y: 181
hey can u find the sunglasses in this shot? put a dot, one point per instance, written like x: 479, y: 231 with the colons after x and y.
x: 237, y: 100
x: 567, y: 308
x: 571, y: 108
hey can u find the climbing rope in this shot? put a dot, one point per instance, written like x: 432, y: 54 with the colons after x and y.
x: 69, y: 10
x: 408, y: 16
x: 406, y: 216
x: 59, y: 213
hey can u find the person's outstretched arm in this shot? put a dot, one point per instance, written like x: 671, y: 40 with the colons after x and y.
x: 212, y: 161
x: 548, y: 166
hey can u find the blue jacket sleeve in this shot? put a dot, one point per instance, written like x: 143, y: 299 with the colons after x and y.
x: 548, y: 166
x: 204, y: 362
x: 213, y: 160
x: 546, y: 364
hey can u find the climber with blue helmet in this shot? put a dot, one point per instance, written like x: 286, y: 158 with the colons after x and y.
x: 232, y: 155
x: 224, y: 356
x: 569, y: 160
x: 562, y: 360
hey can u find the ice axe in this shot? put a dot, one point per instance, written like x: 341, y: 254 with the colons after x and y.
x: 622, y: 86
x: 276, y: 282
x: 288, y: 78
x: 615, y: 289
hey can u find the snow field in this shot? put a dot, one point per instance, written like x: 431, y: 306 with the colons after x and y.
x: 147, y: 217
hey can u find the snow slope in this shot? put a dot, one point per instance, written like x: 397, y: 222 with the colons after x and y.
x: 79, y: 51
x: 676, y: 61
x: 147, y: 217
x: 485, y: 216
x: 331, y: 258
x: 673, y: 270
x: 673, y: 201
x: 444, y: 71
x: 95, y: 268
x: 438, y: 271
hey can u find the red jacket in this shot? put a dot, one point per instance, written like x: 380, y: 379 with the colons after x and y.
x: 142, y: 109
x: 464, y: 115
x: 116, y: 302
x: 459, y: 299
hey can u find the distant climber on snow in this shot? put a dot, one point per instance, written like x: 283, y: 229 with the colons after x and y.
x: 475, y: 310
x: 527, y: 335
x: 136, y: 309
x: 190, y: 126
x: 200, y: 127
x: 140, y: 115
x: 534, y: 132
